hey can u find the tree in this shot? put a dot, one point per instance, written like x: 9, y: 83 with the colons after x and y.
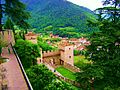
x: 89, y: 75
x: 60, y: 85
x: 45, y: 46
x: 43, y: 79
x: 9, y: 24
x: 110, y: 12
x: 104, y: 50
x: 15, y: 10
x: 40, y: 77
x: 27, y: 52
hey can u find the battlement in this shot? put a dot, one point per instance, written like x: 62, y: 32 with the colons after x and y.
x: 50, y: 53
x: 8, y: 36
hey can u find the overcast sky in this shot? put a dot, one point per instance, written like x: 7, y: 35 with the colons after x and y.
x: 91, y: 4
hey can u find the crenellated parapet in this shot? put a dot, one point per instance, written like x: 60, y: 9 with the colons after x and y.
x: 64, y: 54
x: 7, y: 36
x: 50, y: 53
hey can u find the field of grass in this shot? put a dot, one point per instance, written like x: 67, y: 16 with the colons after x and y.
x: 80, y: 61
x: 66, y: 73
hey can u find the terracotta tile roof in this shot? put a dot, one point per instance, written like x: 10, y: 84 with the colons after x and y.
x: 73, y: 39
x: 81, y: 48
x: 65, y: 44
x: 82, y: 39
x: 30, y: 34
x: 87, y: 43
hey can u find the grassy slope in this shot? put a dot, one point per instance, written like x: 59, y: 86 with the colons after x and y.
x: 66, y: 73
x: 80, y: 61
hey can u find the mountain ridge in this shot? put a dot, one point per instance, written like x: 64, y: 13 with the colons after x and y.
x: 59, y: 13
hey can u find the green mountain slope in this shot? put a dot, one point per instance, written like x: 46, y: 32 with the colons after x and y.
x: 59, y: 14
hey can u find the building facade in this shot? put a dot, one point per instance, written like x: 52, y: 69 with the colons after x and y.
x: 31, y: 37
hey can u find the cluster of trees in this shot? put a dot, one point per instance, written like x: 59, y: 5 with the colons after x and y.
x: 69, y: 32
x: 43, y: 79
x: 44, y: 45
x: 80, y: 52
x: 52, y: 40
x: 13, y: 13
x: 40, y: 77
x: 104, y: 51
x: 28, y: 52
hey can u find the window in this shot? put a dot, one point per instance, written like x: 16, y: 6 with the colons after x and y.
x: 69, y: 56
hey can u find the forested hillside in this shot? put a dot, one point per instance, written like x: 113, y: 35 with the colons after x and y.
x: 60, y: 16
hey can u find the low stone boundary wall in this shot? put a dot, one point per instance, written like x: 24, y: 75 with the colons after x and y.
x: 66, y: 65
x: 71, y: 68
x: 3, y: 78
x: 68, y: 80
x: 63, y: 78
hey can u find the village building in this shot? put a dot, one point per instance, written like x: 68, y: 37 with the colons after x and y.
x: 31, y: 37
x: 64, y: 54
x: 54, y: 36
x: 79, y: 44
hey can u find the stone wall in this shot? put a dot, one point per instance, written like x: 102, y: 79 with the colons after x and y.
x: 67, y: 54
x: 8, y: 36
x: 71, y: 68
x: 50, y: 53
x: 3, y: 78
x: 55, y: 60
x: 68, y: 80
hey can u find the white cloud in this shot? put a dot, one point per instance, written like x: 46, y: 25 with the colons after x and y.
x: 91, y: 4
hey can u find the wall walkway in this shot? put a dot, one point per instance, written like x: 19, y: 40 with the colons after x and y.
x: 14, y: 74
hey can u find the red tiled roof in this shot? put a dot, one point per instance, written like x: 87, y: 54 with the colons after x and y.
x: 65, y: 44
x: 82, y: 39
x: 87, y: 43
x: 73, y: 39
x: 81, y: 48
x: 30, y: 34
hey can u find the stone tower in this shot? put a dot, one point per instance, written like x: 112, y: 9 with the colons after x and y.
x: 66, y: 53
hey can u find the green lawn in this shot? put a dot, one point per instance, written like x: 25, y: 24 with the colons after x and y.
x: 66, y: 73
x: 80, y: 61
